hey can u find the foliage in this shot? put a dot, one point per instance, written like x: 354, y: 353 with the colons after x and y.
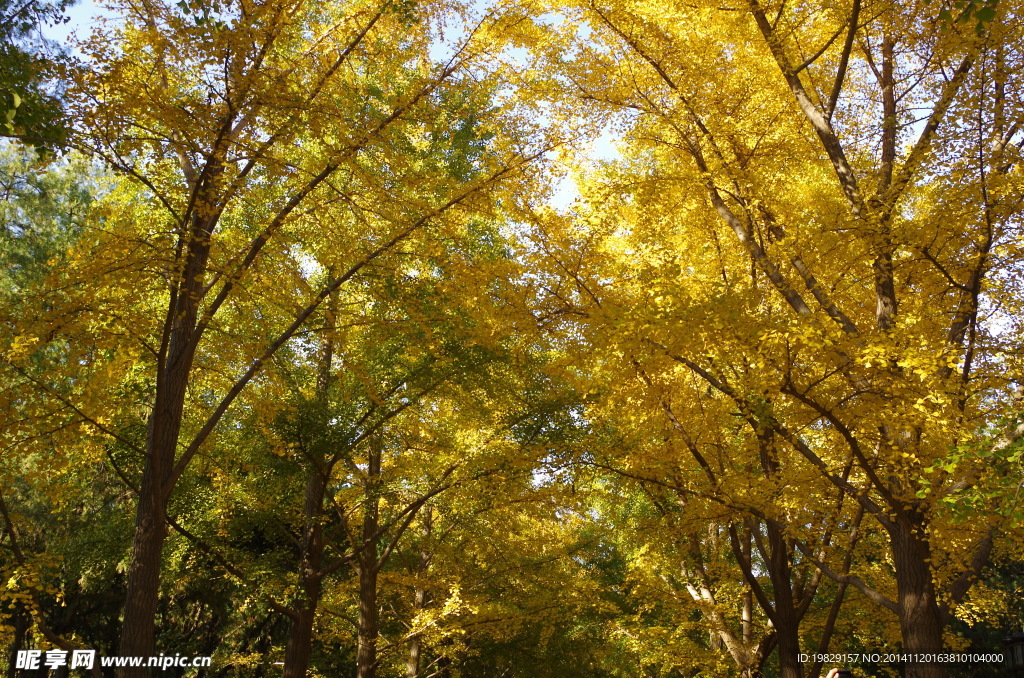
x: 312, y: 372
x: 31, y: 109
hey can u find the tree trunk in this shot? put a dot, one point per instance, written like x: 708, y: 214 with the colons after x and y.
x: 780, y: 572
x: 143, y: 586
x: 300, y: 642
x: 786, y: 621
x: 412, y: 662
x: 747, y: 619
x: 366, y: 658
x: 921, y: 621
x: 298, y: 649
x: 830, y: 624
x: 21, y: 624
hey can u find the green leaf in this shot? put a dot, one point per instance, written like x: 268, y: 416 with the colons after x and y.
x: 985, y: 14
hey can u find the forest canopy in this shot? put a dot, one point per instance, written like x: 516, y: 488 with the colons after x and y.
x: 427, y: 339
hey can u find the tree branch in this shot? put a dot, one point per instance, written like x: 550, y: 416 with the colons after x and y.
x: 844, y: 61
x: 257, y: 365
x: 872, y: 595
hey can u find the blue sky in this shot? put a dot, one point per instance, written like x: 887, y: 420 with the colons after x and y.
x: 82, y: 15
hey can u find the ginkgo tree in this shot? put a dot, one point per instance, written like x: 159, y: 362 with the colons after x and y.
x: 815, y: 222
x: 322, y: 337
x: 715, y: 578
x: 234, y: 125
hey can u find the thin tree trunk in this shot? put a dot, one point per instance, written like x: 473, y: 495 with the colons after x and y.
x: 300, y: 634
x: 780, y: 572
x: 885, y: 290
x: 21, y: 624
x: 143, y: 586
x: 747, y: 622
x: 299, y: 647
x: 837, y: 602
x: 412, y: 662
x: 366, y: 657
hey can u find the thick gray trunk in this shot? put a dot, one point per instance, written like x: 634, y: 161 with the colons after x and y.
x: 921, y: 622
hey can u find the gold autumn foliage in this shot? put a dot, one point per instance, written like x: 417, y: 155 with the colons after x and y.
x: 600, y: 339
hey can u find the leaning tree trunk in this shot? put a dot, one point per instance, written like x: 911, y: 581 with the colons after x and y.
x: 143, y: 586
